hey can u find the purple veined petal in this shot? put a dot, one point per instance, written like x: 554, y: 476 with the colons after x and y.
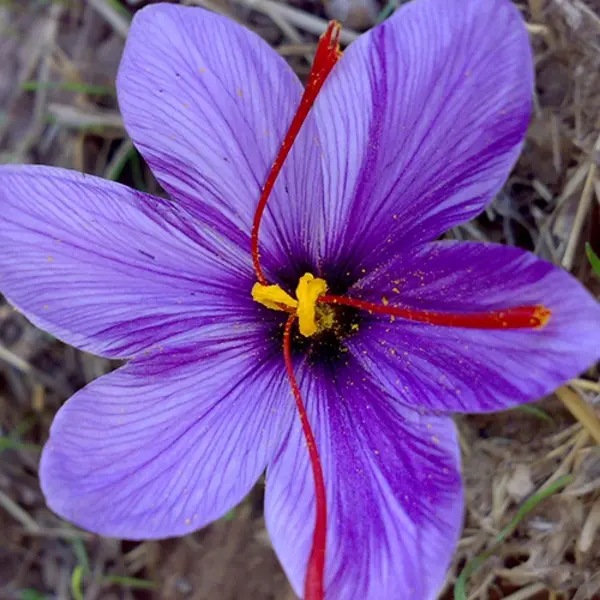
x: 395, y: 505
x: 169, y: 442
x: 468, y: 370
x: 420, y: 123
x: 111, y: 270
x: 208, y: 102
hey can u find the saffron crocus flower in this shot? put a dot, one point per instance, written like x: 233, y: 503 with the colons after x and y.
x: 385, y: 332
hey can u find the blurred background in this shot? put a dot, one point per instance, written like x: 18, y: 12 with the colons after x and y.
x: 532, y: 531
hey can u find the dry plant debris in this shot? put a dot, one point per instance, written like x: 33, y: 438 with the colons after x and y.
x: 58, y: 106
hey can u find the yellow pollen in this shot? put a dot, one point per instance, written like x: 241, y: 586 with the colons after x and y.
x: 309, y: 290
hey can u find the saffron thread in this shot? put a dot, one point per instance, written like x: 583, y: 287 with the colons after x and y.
x: 314, y: 581
x: 519, y: 317
x: 327, y: 54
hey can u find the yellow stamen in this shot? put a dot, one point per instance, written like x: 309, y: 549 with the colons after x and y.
x: 309, y: 290
x: 272, y: 296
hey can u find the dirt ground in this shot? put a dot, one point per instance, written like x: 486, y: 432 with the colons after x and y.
x: 57, y: 106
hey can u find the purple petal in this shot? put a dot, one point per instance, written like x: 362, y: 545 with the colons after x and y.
x: 420, y: 124
x: 208, y: 102
x: 168, y: 442
x: 108, y: 269
x: 467, y: 370
x: 395, y: 504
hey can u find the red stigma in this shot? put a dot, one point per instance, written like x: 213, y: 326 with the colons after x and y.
x: 327, y: 55
x: 519, y: 317
x: 313, y: 584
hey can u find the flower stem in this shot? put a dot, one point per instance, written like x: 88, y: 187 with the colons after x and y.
x: 518, y: 317
x: 327, y: 55
x: 313, y: 584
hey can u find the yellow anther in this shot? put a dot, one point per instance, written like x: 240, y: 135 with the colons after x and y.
x: 309, y: 290
x: 272, y: 296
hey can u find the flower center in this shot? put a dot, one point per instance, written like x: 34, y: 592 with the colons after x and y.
x: 311, y: 319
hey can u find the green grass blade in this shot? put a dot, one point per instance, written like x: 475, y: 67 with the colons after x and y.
x: 129, y: 582
x: 531, y: 503
x: 593, y: 258
x: 81, y: 88
x: 136, y: 171
x: 24, y: 426
x: 119, y: 8
x: 230, y: 515
x: 81, y: 554
x: 76, y: 583
x: 386, y: 11
x: 12, y: 441
x: 478, y: 561
x: 536, y: 411
x: 7, y: 443
x: 29, y: 593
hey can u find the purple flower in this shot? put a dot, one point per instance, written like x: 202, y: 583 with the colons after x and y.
x: 414, y: 131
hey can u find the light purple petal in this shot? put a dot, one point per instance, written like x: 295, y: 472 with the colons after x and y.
x: 420, y: 123
x: 467, y: 370
x: 111, y: 270
x: 208, y: 102
x: 395, y: 504
x: 170, y: 441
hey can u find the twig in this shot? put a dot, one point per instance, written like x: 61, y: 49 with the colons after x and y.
x: 569, y: 189
x: 14, y: 361
x: 112, y: 16
x: 581, y: 410
x: 117, y: 162
x: 536, y: 9
x: 582, y: 211
x: 296, y: 49
x: 474, y: 232
x: 48, y: 38
x: 41, y: 93
x: 527, y: 592
x: 290, y: 32
x: 70, y: 116
x: 24, y: 367
x: 555, y: 135
x: 17, y: 512
x: 60, y: 533
x: 215, y: 7
x: 589, y: 529
x: 584, y: 384
x: 579, y: 441
x: 597, y: 190
x: 24, y: 75
x: 297, y: 17
x: 537, y: 29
